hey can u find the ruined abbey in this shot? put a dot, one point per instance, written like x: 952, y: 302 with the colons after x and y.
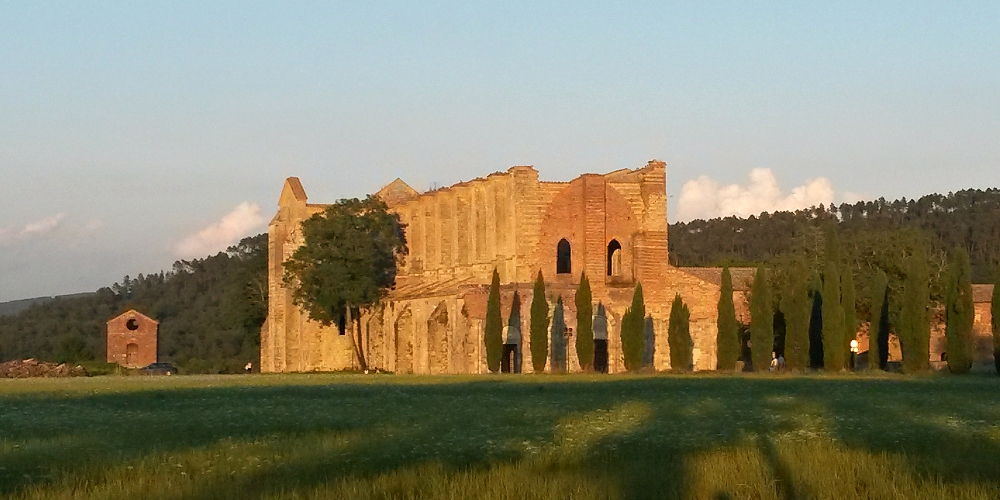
x: 611, y: 226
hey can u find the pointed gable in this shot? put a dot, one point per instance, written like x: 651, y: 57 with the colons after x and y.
x: 292, y: 193
x: 396, y: 192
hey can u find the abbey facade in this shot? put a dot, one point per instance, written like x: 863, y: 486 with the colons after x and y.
x: 613, y: 227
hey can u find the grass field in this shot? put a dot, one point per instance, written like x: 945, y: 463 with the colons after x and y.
x: 384, y: 436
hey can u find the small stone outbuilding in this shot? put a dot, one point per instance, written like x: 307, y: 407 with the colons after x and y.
x: 132, y: 339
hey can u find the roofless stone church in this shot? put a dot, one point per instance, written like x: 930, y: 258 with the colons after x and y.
x: 611, y: 226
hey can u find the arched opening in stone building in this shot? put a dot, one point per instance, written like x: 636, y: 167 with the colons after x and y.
x: 437, y: 339
x: 404, y: 342
x: 564, y: 263
x: 601, y: 340
x: 131, y: 354
x: 614, y: 258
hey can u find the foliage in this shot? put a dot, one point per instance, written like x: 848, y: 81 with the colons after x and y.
x: 728, y: 336
x: 347, y: 262
x: 796, y: 307
x: 632, y: 331
x: 848, y: 303
x: 539, y: 325
x: 493, y: 334
x: 210, y: 312
x: 833, y: 311
x: 959, y: 314
x: 584, y: 324
x: 558, y: 356
x: 878, y: 331
x: 679, y: 336
x: 761, y: 322
x: 915, y: 326
x: 995, y: 321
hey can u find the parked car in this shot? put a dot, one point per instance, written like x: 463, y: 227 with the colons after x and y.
x: 160, y: 369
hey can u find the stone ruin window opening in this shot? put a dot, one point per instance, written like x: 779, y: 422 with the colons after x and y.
x: 614, y: 258
x: 563, y: 258
x: 342, y: 324
x: 132, y: 325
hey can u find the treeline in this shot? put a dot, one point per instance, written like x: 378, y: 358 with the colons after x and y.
x: 210, y: 312
x: 968, y: 219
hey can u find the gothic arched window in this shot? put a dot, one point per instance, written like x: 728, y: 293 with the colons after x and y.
x: 614, y: 258
x: 563, y: 256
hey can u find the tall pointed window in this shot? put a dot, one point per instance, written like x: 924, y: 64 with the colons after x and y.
x: 614, y: 258
x: 563, y: 256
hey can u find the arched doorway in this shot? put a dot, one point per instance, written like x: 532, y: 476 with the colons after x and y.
x: 131, y: 355
x: 564, y: 257
x: 614, y: 258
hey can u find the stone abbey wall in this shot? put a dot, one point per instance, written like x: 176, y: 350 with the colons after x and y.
x: 611, y: 226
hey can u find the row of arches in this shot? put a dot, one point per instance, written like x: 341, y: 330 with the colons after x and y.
x: 564, y: 256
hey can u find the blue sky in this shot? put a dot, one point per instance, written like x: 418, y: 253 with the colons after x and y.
x: 135, y: 133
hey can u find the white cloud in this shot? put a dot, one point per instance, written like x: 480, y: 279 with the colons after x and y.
x: 243, y: 220
x: 30, y: 230
x: 704, y: 198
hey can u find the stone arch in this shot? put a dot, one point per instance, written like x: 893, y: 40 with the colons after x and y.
x: 614, y: 258
x: 437, y: 339
x: 403, y: 331
x: 564, y: 256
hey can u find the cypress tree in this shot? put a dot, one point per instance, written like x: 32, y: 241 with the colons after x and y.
x: 916, y: 329
x: 879, y: 326
x: 558, y: 356
x: 797, y: 308
x: 728, y: 336
x: 833, y: 310
x: 584, y: 324
x: 539, y: 325
x: 849, y: 304
x: 633, y: 326
x: 959, y: 314
x: 493, y: 336
x: 761, y: 322
x: 995, y: 320
x: 679, y: 336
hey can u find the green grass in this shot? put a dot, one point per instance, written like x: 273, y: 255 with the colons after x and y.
x: 578, y: 436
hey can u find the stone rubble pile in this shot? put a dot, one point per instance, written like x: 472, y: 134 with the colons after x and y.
x: 34, y: 368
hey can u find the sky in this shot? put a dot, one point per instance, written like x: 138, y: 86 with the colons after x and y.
x: 133, y: 134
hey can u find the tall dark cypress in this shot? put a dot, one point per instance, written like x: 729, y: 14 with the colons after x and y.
x: 848, y: 303
x: 493, y: 336
x: 796, y: 305
x: 633, y: 326
x: 995, y: 320
x: 833, y: 311
x: 959, y: 314
x: 761, y: 322
x: 915, y: 330
x: 878, y: 329
x: 557, y: 359
x: 584, y: 324
x: 539, y: 325
x: 679, y: 336
x: 728, y: 336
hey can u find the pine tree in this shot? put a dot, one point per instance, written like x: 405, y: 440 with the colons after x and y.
x: 995, y: 320
x: 761, y: 322
x: 959, y: 314
x: 728, y: 336
x: 633, y: 325
x: 915, y: 318
x: 584, y: 324
x: 879, y: 326
x: 849, y: 305
x: 493, y: 336
x: 558, y: 356
x: 539, y: 325
x: 679, y: 336
x: 797, y: 308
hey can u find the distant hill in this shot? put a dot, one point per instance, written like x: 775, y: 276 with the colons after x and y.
x: 210, y: 312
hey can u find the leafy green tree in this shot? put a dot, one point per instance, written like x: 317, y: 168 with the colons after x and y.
x: 878, y: 331
x: 915, y: 317
x: 558, y: 356
x: 959, y: 314
x: 796, y: 306
x: 728, y: 336
x: 679, y: 336
x: 348, y: 262
x: 995, y: 320
x: 539, y: 325
x: 848, y: 303
x: 584, y: 324
x: 633, y: 327
x: 761, y: 322
x: 493, y: 335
